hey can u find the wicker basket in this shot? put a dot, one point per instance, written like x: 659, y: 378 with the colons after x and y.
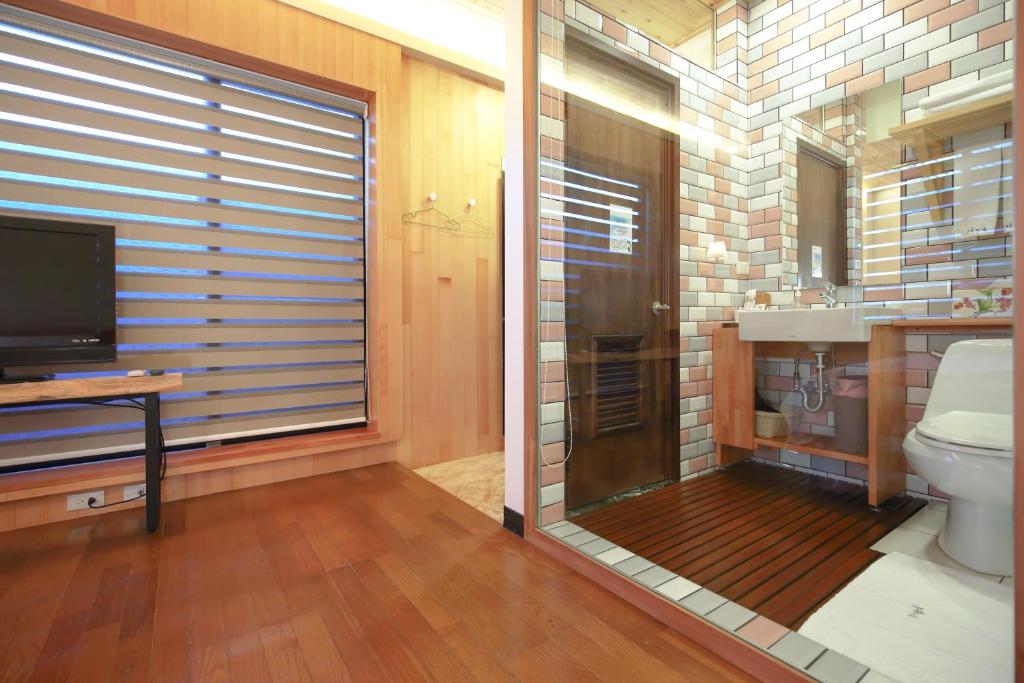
x: 770, y: 425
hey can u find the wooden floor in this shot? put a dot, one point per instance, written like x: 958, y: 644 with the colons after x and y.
x: 774, y: 540
x: 373, y: 575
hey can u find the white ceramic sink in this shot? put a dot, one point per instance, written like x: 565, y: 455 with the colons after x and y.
x: 814, y: 325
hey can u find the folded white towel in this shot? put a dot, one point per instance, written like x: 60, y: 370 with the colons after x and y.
x: 991, y: 86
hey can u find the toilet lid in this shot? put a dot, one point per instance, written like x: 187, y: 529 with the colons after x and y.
x: 977, y: 430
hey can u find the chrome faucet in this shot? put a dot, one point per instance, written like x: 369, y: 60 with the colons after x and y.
x: 829, y: 295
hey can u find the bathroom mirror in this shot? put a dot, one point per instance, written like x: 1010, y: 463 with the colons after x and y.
x: 922, y: 213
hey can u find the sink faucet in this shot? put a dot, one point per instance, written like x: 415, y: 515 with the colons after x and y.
x: 829, y: 295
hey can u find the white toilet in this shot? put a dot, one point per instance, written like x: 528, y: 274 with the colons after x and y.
x: 964, y: 446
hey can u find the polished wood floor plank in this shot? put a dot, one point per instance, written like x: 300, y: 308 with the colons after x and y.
x: 369, y: 575
x: 774, y: 540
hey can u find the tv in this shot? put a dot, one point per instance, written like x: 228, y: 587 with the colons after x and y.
x: 57, y: 299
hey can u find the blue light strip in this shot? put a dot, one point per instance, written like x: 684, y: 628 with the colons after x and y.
x: 99, y: 52
x: 245, y: 135
x: 266, y: 322
x: 289, y: 99
x: 123, y: 217
x: 105, y: 107
x: 167, y: 422
x: 179, y: 396
x: 263, y: 367
x: 86, y: 76
x: 592, y: 189
x: 232, y: 251
x: 149, y: 116
x: 181, y: 296
x: 68, y: 127
x: 230, y: 274
x: 65, y: 155
x: 576, y: 171
x: 194, y: 346
x: 76, y: 184
x: 288, y: 122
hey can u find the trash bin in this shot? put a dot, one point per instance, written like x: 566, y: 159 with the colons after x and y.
x: 850, y: 406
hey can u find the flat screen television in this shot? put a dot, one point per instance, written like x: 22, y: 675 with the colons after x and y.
x: 57, y: 300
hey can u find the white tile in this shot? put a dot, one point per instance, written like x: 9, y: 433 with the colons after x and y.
x: 929, y: 519
x: 614, y: 556
x: 922, y: 546
x: 678, y: 588
x: 958, y: 48
x: 927, y: 42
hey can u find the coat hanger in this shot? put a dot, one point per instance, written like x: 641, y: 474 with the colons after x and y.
x: 430, y: 216
x: 468, y: 225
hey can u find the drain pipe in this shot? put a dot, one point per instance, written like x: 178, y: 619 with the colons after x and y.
x: 798, y: 385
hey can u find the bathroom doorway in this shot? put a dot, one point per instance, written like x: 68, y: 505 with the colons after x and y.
x: 621, y: 273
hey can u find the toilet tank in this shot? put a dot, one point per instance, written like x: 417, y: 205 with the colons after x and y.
x: 975, y: 375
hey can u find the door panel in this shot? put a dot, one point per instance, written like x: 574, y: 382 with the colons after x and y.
x: 621, y: 259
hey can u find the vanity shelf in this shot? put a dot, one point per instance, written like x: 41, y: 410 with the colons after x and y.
x: 813, y: 444
x: 960, y: 120
x: 734, y: 384
x: 927, y: 136
x: 955, y: 325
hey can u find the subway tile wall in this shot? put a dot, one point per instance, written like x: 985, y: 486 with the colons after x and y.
x: 737, y: 171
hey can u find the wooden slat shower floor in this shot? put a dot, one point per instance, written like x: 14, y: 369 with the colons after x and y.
x: 777, y: 541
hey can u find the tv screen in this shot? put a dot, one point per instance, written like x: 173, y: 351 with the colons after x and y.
x: 57, y: 302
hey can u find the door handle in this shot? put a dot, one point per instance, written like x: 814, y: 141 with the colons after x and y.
x: 657, y: 307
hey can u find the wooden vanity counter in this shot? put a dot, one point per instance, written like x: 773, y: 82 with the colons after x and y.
x: 734, y: 382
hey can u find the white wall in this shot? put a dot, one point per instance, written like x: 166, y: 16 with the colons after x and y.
x: 448, y: 29
x: 515, y: 260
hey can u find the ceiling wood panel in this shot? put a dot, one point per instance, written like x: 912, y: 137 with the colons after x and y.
x: 668, y: 21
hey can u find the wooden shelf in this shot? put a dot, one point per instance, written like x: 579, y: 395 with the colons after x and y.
x: 814, y: 444
x: 954, y: 322
x: 86, y: 388
x: 927, y: 136
x: 956, y: 121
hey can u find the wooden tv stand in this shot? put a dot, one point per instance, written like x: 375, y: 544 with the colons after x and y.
x: 147, y: 387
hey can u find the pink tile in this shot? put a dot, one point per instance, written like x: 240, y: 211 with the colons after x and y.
x: 552, y: 474
x: 763, y: 632
x: 552, y: 513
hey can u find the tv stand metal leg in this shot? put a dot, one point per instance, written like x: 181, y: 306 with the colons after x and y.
x: 152, y: 462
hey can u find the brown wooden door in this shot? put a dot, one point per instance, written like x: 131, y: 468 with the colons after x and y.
x: 621, y: 259
x: 821, y: 218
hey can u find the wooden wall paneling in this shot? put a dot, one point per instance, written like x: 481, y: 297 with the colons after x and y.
x: 452, y: 132
x: 887, y: 397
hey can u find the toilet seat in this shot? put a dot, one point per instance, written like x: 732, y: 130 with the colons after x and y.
x: 980, y: 433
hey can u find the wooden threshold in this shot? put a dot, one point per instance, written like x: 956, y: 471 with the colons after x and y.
x: 813, y: 444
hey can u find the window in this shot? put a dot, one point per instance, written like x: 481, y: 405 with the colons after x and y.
x: 238, y: 202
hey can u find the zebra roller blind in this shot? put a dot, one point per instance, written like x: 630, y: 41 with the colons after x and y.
x: 238, y: 203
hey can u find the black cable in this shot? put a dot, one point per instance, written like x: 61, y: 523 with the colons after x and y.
x: 132, y: 403
x: 116, y: 502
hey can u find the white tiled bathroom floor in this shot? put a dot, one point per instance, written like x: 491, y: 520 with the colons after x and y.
x: 919, y: 537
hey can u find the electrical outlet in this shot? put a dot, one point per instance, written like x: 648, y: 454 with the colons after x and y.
x: 134, y: 491
x: 80, y: 501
